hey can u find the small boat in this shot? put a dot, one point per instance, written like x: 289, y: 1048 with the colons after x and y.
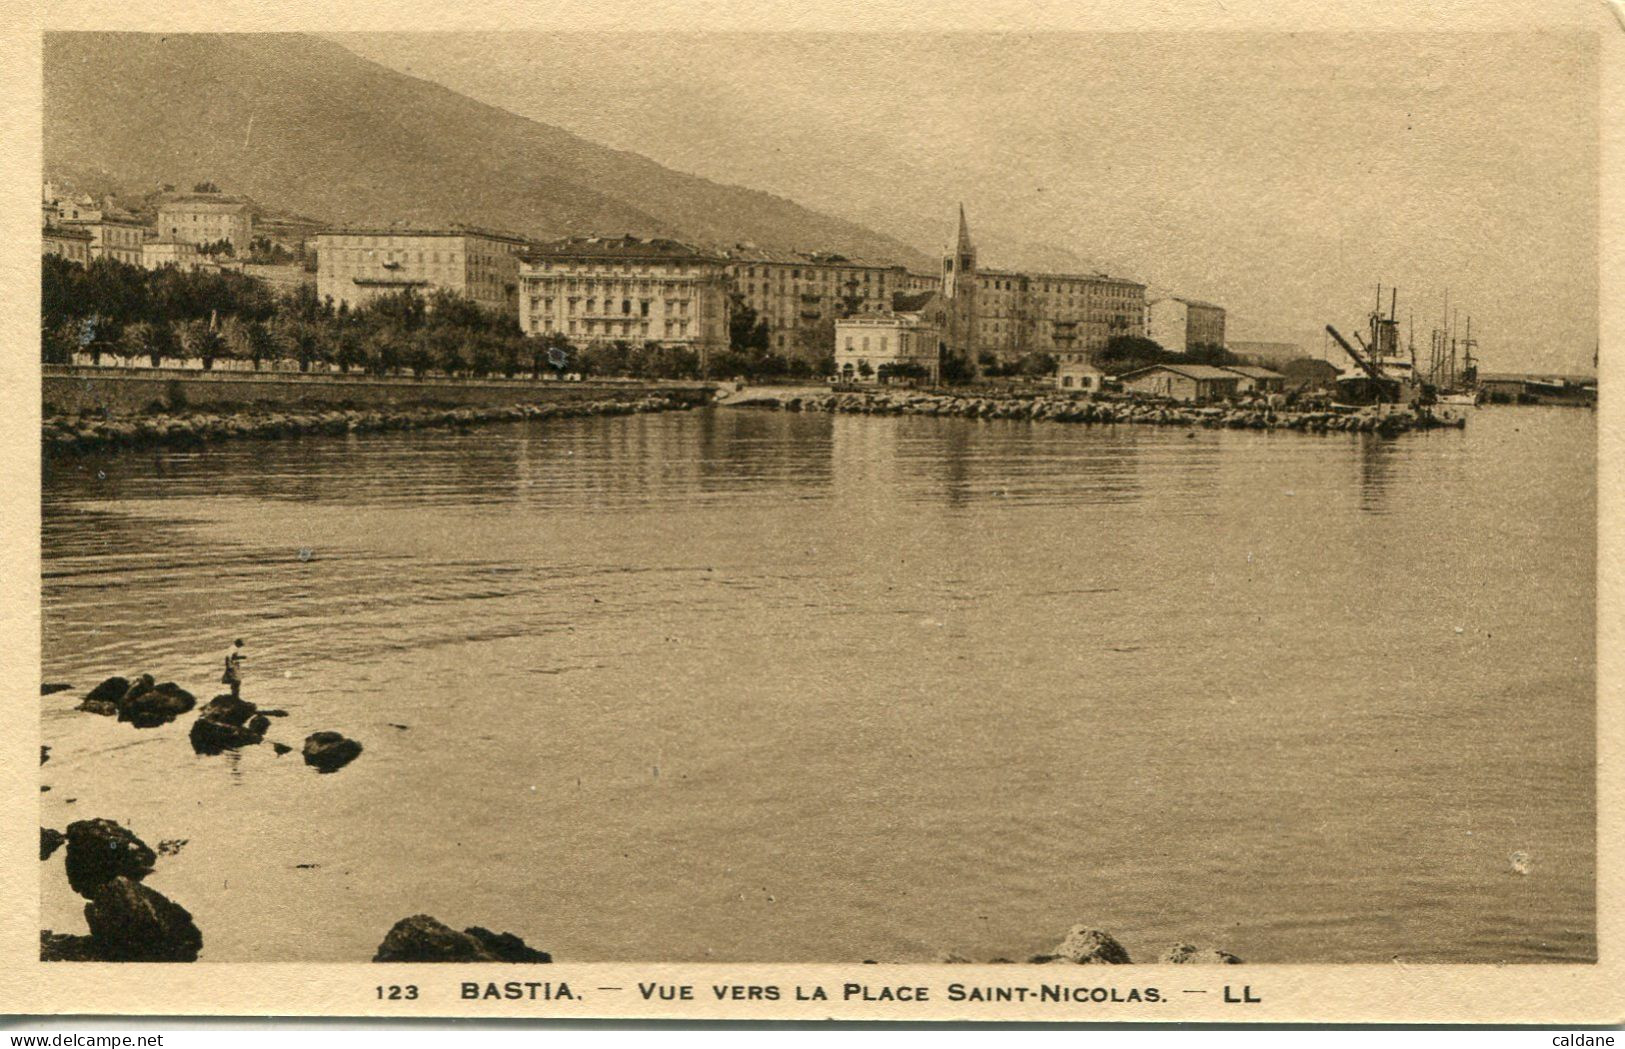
x: 1460, y: 399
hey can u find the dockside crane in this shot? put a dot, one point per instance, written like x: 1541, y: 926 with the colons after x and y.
x: 1360, y: 359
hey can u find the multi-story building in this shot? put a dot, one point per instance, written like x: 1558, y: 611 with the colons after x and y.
x: 1179, y: 325
x: 870, y: 345
x: 606, y: 289
x: 208, y: 218
x: 113, y: 235
x: 168, y: 251
x: 355, y: 266
x: 798, y: 294
x: 70, y: 242
x: 1070, y: 316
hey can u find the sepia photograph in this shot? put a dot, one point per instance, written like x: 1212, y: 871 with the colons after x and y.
x: 888, y: 498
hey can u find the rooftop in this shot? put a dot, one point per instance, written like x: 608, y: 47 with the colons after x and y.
x: 416, y: 231
x: 204, y: 202
x: 777, y: 256
x: 1253, y: 372
x: 67, y: 232
x: 1189, y: 371
x: 1198, y: 303
x: 911, y: 301
x: 628, y: 248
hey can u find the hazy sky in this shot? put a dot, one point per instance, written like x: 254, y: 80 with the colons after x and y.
x: 1281, y: 175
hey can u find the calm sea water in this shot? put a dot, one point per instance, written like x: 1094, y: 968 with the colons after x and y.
x: 749, y: 686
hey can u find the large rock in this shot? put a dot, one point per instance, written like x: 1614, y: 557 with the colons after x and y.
x: 329, y: 751
x: 1086, y: 946
x: 421, y: 938
x: 228, y: 709
x: 212, y: 736
x: 101, y: 850
x: 105, y: 697
x: 507, y: 947
x: 131, y: 923
x: 1186, y: 954
x: 157, y: 706
x: 49, y: 841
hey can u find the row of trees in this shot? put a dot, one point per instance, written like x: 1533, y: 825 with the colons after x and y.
x: 111, y: 308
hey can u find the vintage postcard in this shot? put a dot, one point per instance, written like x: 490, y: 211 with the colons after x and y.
x: 813, y: 514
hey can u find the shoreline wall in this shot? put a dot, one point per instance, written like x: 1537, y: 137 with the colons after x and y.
x: 66, y: 389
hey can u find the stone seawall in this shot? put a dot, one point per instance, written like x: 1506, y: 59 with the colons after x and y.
x: 68, y: 390
x: 1392, y: 421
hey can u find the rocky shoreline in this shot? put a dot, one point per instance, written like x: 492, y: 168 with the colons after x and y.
x: 1082, y: 410
x: 68, y: 434
x: 106, y: 863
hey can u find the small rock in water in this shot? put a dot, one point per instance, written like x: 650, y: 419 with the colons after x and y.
x: 171, y: 846
x: 1086, y: 946
x: 53, y: 687
x: 210, y: 736
x: 280, y: 748
x: 49, y: 841
x: 156, y: 706
x: 330, y: 751
x: 421, y: 938
x: 101, y: 850
x: 1186, y: 954
x: 104, y: 698
x: 44, y: 754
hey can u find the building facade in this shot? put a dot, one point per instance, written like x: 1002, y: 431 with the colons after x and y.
x: 1078, y: 377
x: 355, y: 266
x: 1256, y: 379
x: 1180, y: 325
x: 868, y: 346
x: 167, y: 251
x: 798, y: 295
x: 606, y: 289
x: 1196, y: 383
x: 69, y: 242
x: 1070, y: 316
x: 208, y: 218
x: 113, y: 236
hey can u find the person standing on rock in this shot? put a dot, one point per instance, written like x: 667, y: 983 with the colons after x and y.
x: 234, y: 668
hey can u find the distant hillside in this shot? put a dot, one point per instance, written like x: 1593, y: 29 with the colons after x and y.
x: 303, y: 125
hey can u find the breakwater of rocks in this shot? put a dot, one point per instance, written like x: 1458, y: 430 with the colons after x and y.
x: 70, y: 433
x: 1077, y: 410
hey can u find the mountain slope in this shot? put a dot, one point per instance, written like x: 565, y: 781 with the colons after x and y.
x: 302, y: 124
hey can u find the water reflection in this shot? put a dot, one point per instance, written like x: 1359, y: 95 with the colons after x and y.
x: 976, y: 652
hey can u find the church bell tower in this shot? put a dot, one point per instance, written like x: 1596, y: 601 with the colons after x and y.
x: 959, y: 289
